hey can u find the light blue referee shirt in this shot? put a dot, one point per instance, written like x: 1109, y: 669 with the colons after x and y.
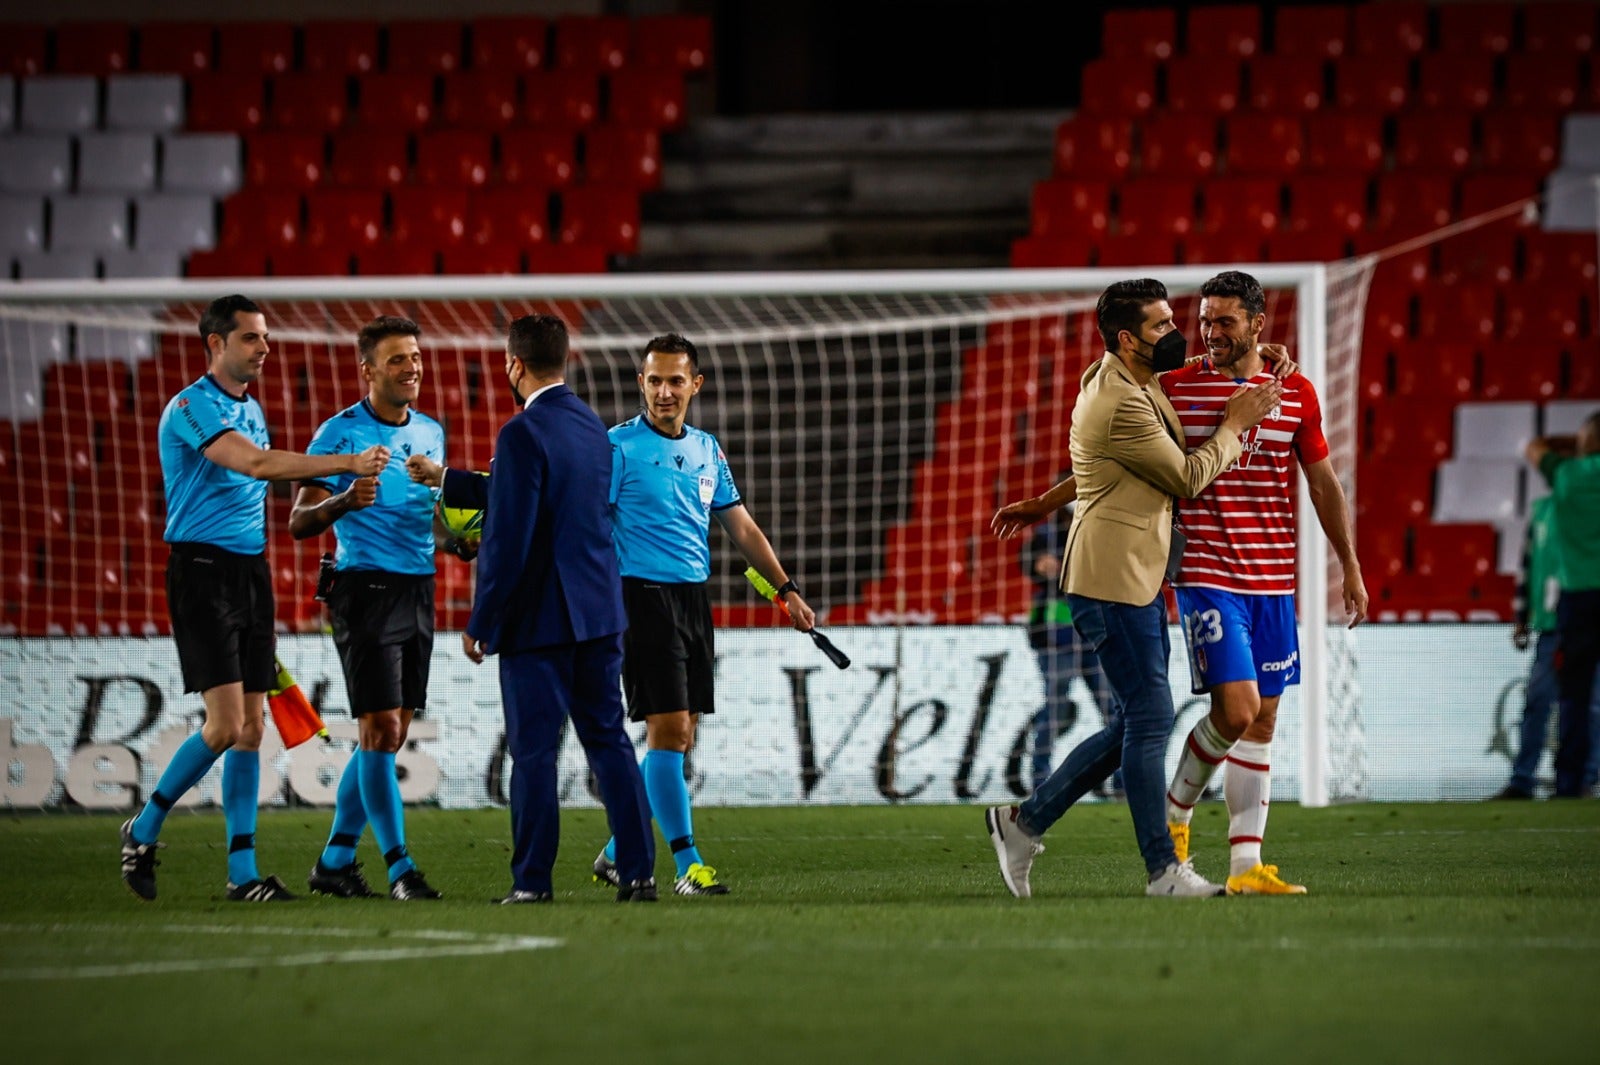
x: 663, y: 490
x: 395, y: 534
x: 208, y: 503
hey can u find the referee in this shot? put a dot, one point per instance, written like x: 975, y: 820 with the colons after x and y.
x: 381, y: 600
x: 215, y: 465
x: 668, y: 480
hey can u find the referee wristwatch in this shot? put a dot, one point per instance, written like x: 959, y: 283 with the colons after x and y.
x: 785, y: 588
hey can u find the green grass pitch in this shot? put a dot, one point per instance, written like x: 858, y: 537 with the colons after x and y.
x: 1433, y: 933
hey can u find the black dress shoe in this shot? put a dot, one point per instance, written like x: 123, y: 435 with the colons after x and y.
x: 638, y: 891
x: 518, y: 897
x: 1511, y: 793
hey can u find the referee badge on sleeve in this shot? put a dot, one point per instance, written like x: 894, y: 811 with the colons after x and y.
x: 708, y: 489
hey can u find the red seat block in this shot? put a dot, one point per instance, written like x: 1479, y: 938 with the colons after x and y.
x: 1489, y: 253
x: 424, y: 47
x: 336, y: 47
x: 1559, y: 27
x: 1231, y: 246
x: 430, y: 216
x: 1147, y: 33
x: 1046, y: 251
x: 1136, y: 249
x: 1441, y: 371
x: 624, y: 156
x: 1372, y: 82
x: 1264, y: 144
x: 344, y: 219
x: 395, y: 101
x: 1433, y: 141
x: 1543, y: 80
x: 1459, y: 554
x: 1235, y: 204
x: 1322, y: 203
x: 1485, y: 192
x: 307, y: 261
x: 510, y: 216
x: 1179, y: 145
x: 1480, y: 27
x: 674, y: 42
x: 1456, y: 81
x: 224, y: 103
x: 597, y: 214
x: 1344, y: 142
x: 310, y: 103
x: 175, y: 47
x: 1071, y: 208
x: 255, y: 47
x: 1534, y: 373
x: 544, y: 157
x: 1465, y: 313
x: 396, y: 260
x: 1118, y: 87
x: 482, y: 259
x: 1286, y: 84
x: 1308, y: 246
x: 1396, y: 28
x: 226, y: 262
x: 258, y: 219
x: 1226, y: 29
x: 370, y: 159
x: 512, y: 44
x: 454, y: 158
x: 1545, y: 313
x: 647, y: 96
x: 597, y: 43
x: 97, y: 48
x: 1583, y: 371
x: 1316, y: 31
x: 1156, y: 206
x: 1521, y: 142
x: 480, y: 99
x: 1558, y: 257
x: 1207, y: 84
x: 1091, y: 147
x: 566, y: 99
x: 566, y: 259
x: 292, y: 161
x: 1415, y: 430
x: 1408, y: 204
x: 23, y: 49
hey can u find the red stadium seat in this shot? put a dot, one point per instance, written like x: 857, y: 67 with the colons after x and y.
x: 1583, y: 372
x: 1227, y: 29
x: 542, y: 157
x: 1543, y: 80
x: 511, y: 216
x: 480, y: 100
x: 310, y: 103
x: 1091, y: 147
x: 1413, y: 430
x: 430, y: 216
x: 675, y: 42
x: 1136, y: 249
x: 597, y: 214
x: 647, y: 96
x: 1047, y: 251
x: 226, y: 262
x: 255, y: 47
x: 1319, y: 31
x: 344, y: 219
x: 1372, y: 82
x: 97, y: 48
x: 566, y: 99
x: 1231, y: 246
x: 1454, y: 553
x: 23, y: 50
x: 1179, y: 145
x: 260, y: 220
x: 1540, y: 313
x: 1148, y: 33
x: 1390, y: 313
x: 1558, y: 257
x: 1344, y: 143
x: 566, y: 259
x: 1286, y: 84
x: 1118, y: 87
x: 396, y: 260
x: 618, y: 155
x: 1485, y: 192
x: 1328, y: 203
x: 1242, y: 204
x: 294, y: 161
x: 371, y: 159
x: 1396, y: 28
x: 306, y: 261
x: 454, y: 158
x: 1521, y: 142
x: 1440, y: 371
x: 1071, y: 208
x: 1465, y: 313
x: 1485, y: 254
x: 339, y: 47
x: 1207, y: 84
x: 1156, y: 207
x: 1408, y: 204
x: 1559, y: 27
x: 596, y: 43
x: 224, y: 103
x: 482, y: 259
x: 1433, y: 140
x: 1264, y: 144
x: 1480, y: 27
x: 513, y: 44
x: 424, y: 47
x: 1456, y: 81
x: 1533, y: 373
x: 175, y: 47
x: 395, y: 101
x: 1310, y: 246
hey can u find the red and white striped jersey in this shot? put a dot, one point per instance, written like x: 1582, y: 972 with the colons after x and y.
x: 1241, y: 529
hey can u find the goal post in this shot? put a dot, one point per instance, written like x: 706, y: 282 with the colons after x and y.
x: 874, y: 420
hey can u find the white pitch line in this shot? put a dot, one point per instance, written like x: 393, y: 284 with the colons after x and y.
x: 452, y: 945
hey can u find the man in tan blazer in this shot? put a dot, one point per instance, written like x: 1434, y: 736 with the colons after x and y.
x: 1129, y: 463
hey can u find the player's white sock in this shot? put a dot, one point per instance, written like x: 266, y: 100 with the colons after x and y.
x: 1203, y: 751
x: 1248, y: 789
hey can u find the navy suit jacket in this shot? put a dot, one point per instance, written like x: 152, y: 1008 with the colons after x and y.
x: 466, y: 489
x: 547, y: 568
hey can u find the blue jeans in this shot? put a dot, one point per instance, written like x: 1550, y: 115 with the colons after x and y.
x: 1544, y: 695
x: 1134, y: 649
x: 1578, y: 623
x: 1063, y: 659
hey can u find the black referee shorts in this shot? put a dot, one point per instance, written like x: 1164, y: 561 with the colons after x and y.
x: 383, y: 628
x: 222, y: 617
x: 669, y: 654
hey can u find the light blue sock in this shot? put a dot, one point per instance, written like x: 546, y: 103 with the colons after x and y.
x: 192, y: 761
x: 349, y: 817
x: 241, y: 781
x: 669, y: 801
x: 380, y: 794
x: 611, y: 849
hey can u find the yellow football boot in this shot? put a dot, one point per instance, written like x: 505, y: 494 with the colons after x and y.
x: 1262, y: 880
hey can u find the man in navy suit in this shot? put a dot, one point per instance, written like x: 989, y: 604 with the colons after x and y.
x: 549, y: 603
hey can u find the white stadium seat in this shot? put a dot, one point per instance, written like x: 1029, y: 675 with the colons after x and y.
x: 97, y: 342
x: 60, y: 103
x: 56, y: 266
x: 35, y: 163
x: 1488, y: 490
x: 175, y: 222
x: 21, y: 224
x: 201, y: 162
x: 151, y: 102
x: 8, y: 102
x: 116, y: 162
x: 1494, y: 430
x: 1512, y: 535
x: 88, y: 223
x: 1563, y: 416
x: 136, y: 264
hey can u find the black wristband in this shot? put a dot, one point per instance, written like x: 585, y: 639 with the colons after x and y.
x: 785, y: 588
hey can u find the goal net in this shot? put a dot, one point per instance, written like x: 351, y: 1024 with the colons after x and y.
x: 873, y: 423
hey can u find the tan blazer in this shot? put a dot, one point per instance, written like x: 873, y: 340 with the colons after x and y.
x: 1129, y: 462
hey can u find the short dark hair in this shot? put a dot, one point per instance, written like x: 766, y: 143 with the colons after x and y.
x: 539, y: 342
x: 672, y: 344
x: 221, y: 317
x: 1122, y: 307
x: 382, y: 328
x: 1241, y: 286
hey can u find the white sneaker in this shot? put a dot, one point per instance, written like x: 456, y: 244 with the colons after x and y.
x: 1179, y: 880
x: 1014, y: 847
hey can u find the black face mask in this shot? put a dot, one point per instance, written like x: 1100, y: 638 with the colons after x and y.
x: 1168, y: 352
